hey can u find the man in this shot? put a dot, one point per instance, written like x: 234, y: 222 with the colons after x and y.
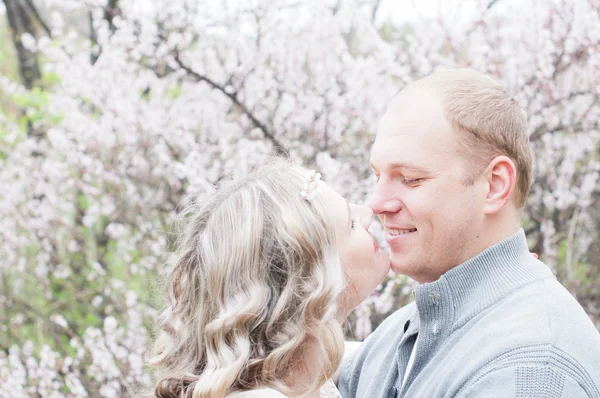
x: 453, y: 164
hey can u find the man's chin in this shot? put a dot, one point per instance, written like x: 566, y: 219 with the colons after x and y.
x: 400, y: 266
x: 405, y: 265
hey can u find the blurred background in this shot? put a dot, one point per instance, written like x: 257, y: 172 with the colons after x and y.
x: 114, y: 113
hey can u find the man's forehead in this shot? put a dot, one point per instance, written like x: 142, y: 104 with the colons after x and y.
x: 419, y: 130
x: 416, y: 97
x: 410, y: 148
x: 412, y: 121
x: 395, y: 156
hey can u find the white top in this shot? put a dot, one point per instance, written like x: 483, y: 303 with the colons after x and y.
x: 259, y: 393
x: 328, y: 390
x: 411, y: 361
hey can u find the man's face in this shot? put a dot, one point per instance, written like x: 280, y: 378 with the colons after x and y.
x: 431, y: 216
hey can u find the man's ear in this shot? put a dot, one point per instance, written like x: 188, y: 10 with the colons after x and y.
x: 501, y: 178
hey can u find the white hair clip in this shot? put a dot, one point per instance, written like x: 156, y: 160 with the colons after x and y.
x: 311, y: 185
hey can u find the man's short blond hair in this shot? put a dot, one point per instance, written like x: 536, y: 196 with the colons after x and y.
x: 488, y: 121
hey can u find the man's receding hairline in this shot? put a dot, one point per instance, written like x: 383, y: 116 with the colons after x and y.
x: 424, y: 90
x: 439, y: 83
x: 451, y: 77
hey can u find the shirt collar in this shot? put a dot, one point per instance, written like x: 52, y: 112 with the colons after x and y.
x: 467, y: 289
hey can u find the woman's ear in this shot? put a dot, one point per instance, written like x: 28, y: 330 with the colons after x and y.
x: 501, y: 178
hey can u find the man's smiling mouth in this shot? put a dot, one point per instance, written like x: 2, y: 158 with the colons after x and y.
x: 398, y: 232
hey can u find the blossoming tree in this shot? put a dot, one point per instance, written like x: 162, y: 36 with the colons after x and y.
x: 147, y: 105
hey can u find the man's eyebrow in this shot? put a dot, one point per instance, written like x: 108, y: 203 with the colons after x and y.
x: 401, y: 165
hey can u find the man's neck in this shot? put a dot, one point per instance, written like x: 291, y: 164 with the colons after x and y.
x: 500, y: 226
x: 497, y: 235
x: 494, y: 231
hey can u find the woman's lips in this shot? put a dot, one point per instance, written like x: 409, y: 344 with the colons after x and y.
x: 375, y: 245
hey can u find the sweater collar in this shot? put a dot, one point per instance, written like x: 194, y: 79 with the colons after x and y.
x: 467, y: 289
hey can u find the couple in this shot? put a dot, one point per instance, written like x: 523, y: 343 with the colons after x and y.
x: 271, y: 266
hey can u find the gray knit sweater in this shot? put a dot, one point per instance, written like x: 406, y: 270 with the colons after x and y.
x: 498, y: 325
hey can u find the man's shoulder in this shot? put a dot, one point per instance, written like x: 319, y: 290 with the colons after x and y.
x: 565, y: 320
x: 542, y: 312
x: 535, y: 326
x: 546, y: 308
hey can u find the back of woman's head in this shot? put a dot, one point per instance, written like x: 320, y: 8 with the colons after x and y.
x: 257, y: 279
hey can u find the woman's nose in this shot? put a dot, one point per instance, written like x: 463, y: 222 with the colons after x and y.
x: 364, y: 214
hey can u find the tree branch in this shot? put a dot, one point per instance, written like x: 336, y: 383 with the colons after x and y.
x: 93, y: 39
x: 574, y: 126
x: 20, y: 23
x: 374, y: 12
x: 270, y: 135
x: 111, y: 10
x: 37, y: 16
x: 492, y: 3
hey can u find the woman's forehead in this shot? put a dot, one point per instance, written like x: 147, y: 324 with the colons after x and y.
x: 335, y: 203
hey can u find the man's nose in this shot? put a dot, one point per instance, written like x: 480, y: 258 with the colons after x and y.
x: 383, y: 200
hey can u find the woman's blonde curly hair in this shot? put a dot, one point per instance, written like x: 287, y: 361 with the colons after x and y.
x: 257, y: 280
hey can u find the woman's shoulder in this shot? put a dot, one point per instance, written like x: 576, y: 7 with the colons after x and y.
x: 260, y: 393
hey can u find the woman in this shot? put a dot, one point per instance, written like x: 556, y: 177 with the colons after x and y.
x: 268, y: 270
